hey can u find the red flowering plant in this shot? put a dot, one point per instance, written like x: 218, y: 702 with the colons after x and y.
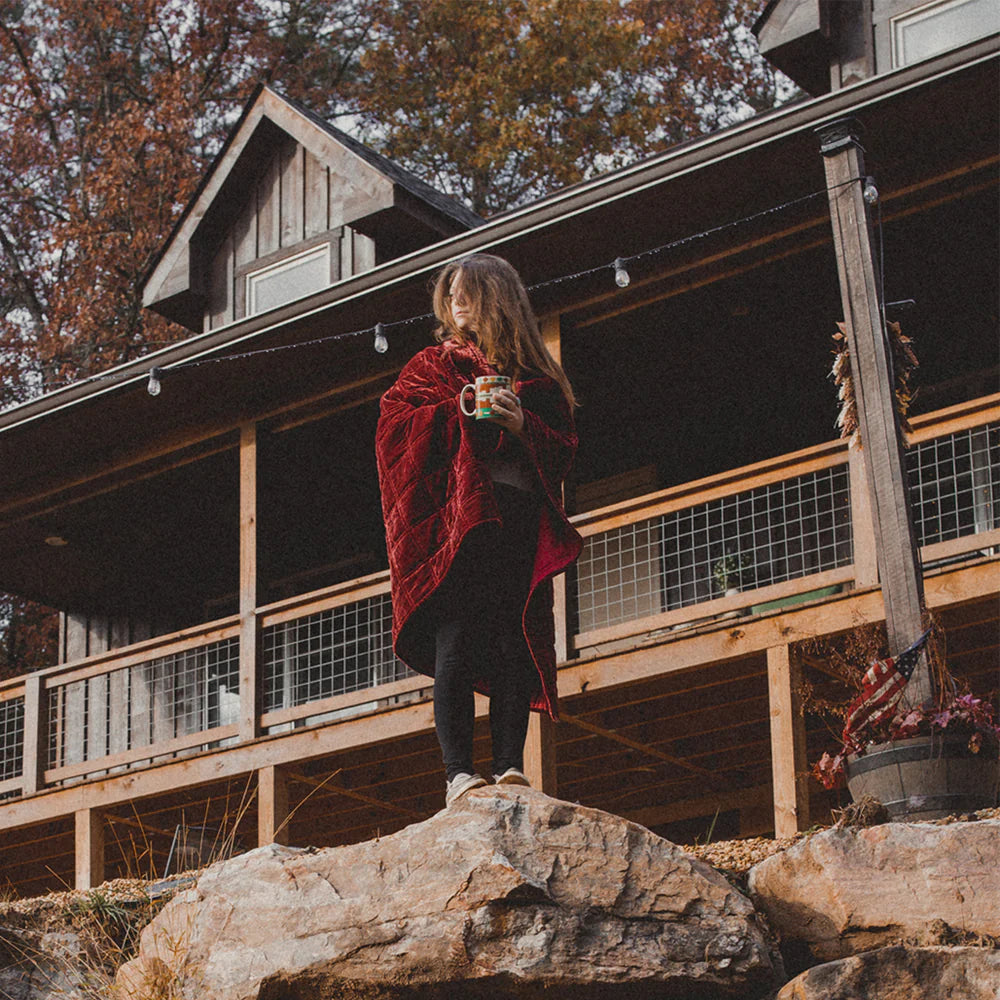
x: 953, y: 711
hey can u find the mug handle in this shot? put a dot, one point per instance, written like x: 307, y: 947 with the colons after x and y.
x: 461, y: 400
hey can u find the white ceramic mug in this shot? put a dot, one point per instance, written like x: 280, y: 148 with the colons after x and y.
x: 482, y: 391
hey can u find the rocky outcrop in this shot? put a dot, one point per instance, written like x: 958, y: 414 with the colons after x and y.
x: 841, y: 892
x: 39, y: 962
x: 507, y: 893
x: 902, y: 974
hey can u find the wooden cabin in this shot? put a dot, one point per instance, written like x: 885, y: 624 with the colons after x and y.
x: 226, y: 676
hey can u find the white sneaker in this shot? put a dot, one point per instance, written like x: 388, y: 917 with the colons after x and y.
x: 512, y: 776
x: 461, y: 784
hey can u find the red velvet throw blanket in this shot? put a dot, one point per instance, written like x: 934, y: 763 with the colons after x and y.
x: 436, y: 489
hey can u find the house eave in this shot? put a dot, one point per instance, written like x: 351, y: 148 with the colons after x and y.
x: 520, y: 223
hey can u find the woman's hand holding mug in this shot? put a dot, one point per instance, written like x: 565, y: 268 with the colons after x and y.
x: 494, y: 401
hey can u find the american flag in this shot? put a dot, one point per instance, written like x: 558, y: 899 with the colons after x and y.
x: 881, y: 688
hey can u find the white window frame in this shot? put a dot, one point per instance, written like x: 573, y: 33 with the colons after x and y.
x: 285, y: 264
x: 900, y: 22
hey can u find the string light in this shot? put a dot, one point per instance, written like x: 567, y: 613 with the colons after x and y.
x: 622, y: 277
x: 869, y: 192
x: 381, y: 343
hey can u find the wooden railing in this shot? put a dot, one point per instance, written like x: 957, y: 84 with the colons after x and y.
x: 12, y: 713
x: 629, y: 549
x: 360, y: 667
x: 179, y: 694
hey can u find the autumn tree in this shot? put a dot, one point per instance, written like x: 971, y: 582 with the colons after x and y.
x: 111, y: 111
x: 29, y: 636
x: 502, y: 101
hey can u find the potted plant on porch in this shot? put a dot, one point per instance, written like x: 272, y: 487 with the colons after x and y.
x: 921, y: 762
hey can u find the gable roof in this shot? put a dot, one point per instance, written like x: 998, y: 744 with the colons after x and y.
x: 383, y: 200
x: 796, y: 36
x: 447, y: 205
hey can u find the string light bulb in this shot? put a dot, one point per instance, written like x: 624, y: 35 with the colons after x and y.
x: 869, y: 192
x: 381, y: 341
x: 153, y: 387
x: 622, y: 277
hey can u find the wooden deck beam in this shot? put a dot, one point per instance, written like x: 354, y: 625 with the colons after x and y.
x: 338, y: 788
x: 540, y: 754
x: 645, y: 748
x: 272, y: 805
x: 789, y: 774
x: 875, y: 394
x: 250, y: 644
x: 89, y: 848
x: 647, y: 658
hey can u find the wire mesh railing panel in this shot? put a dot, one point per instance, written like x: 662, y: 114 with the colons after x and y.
x: 955, y: 484
x: 11, y: 738
x: 144, y: 704
x: 335, y: 651
x: 777, y: 532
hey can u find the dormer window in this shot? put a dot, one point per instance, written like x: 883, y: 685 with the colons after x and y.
x: 935, y: 27
x: 291, y: 278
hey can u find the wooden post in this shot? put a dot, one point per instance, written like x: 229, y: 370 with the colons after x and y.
x: 540, y: 754
x: 789, y: 772
x: 272, y: 805
x: 560, y: 617
x: 89, y: 848
x: 74, y: 696
x: 874, y: 390
x: 36, y: 727
x: 865, y: 544
x: 551, y: 330
x: 249, y: 626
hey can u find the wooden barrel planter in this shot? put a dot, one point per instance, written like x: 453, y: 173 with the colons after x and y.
x: 927, y: 777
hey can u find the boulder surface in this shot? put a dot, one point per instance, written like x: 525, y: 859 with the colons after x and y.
x: 507, y: 893
x: 900, y: 973
x: 842, y: 892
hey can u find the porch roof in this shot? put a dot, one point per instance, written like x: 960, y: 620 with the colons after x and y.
x: 922, y: 121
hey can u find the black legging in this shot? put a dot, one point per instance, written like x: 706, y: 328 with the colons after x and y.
x: 479, y: 636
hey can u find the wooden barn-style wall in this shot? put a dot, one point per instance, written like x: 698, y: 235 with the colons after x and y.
x: 297, y: 204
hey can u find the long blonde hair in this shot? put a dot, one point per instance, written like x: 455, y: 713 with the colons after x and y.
x: 506, y: 330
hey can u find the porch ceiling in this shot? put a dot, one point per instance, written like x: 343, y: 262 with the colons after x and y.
x: 925, y: 122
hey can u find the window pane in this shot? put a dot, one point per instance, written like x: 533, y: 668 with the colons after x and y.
x: 937, y: 27
x: 288, y: 280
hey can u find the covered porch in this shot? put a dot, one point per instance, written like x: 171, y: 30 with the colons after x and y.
x: 226, y: 656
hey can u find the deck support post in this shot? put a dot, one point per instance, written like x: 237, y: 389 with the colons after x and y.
x: 874, y: 390
x: 250, y: 644
x: 863, y: 539
x: 272, y: 805
x: 551, y: 329
x: 89, y: 848
x: 35, y: 734
x: 540, y: 753
x: 789, y: 774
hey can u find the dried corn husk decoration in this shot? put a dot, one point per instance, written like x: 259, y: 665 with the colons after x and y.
x: 904, y: 362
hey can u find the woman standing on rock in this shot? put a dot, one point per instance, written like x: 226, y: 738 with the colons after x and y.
x: 475, y: 527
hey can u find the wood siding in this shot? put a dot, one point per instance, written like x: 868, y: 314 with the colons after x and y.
x: 298, y: 202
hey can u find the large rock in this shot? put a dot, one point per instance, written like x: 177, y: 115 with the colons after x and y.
x: 841, y: 892
x: 508, y: 893
x: 902, y: 974
x: 39, y: 963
